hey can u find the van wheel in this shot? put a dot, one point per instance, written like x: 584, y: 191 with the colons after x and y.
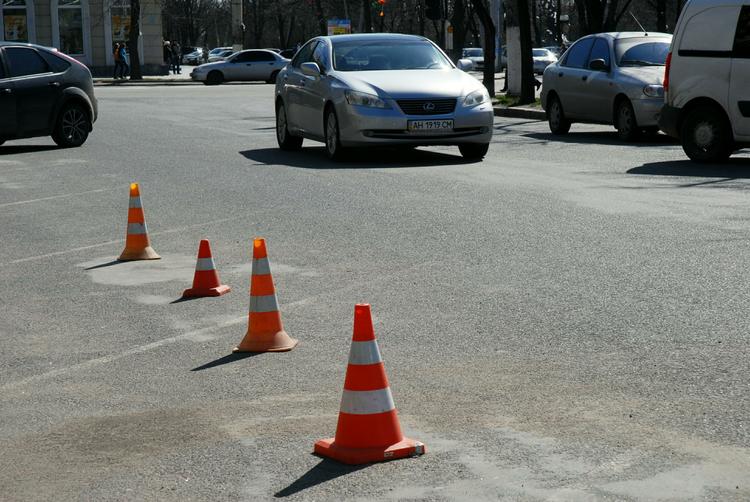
x: 73, y: 126
x: 706, y: 135
x: 558, y: 124
x: 625, y: 123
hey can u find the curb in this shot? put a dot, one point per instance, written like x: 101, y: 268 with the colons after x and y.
x: 117, y: 83
x: 519, y: 112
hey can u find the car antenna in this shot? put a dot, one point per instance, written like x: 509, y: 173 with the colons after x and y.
x: 638, y: 22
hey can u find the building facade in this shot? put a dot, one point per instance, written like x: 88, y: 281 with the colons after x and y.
x: 85, y: 29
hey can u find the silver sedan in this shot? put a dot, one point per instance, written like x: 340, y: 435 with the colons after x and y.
x: 253, y: 64
x: 380, y: 89
x: 608, y: 78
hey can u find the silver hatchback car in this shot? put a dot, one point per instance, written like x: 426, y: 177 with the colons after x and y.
x: 608, y: 78
x: 380, y: 89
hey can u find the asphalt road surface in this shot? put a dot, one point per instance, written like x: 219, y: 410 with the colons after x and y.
x: 567, y: 320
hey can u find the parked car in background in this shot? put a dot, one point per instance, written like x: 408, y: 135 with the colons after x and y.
x: 220, y: 56
x: 707, y: 80
x: 193, y: 58
x: 252, y: 64
x: 380, y: 89
x: 475, y: 55
x: 555, y: 49
x: 608, y: 78
x: 542, y: 59
x: 44, y: 93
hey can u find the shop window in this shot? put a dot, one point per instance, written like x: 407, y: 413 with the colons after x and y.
x: 14, y: 20
x: 120, y: 12
x: 70, y: 23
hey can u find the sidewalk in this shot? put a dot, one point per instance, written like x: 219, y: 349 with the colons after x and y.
x: 179, y: 79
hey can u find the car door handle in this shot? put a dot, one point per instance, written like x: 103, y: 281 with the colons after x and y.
x: 561, y: 74
x: 585, y: 78
x: 6, y: 91
x: 54, y: 84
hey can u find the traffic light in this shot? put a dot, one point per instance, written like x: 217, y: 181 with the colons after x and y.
x: 433, y: 10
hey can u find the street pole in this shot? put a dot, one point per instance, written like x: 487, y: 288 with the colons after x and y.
x: 238, y: 26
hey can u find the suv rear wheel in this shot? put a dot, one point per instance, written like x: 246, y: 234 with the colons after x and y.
x: 73, y: 126
x: 706, y: 136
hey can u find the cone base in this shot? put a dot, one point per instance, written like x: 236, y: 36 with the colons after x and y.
x: 276, y: 342
x: 203, y: 292
x: 346, y: 455
x: 147, y: 253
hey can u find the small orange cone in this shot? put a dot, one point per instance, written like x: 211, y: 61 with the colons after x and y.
x: 137, y: 243
x: 368, y: 429
x: 206, y: 279
x: 265, y: 332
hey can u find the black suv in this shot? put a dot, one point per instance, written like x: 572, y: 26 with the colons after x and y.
x: 44, y: 93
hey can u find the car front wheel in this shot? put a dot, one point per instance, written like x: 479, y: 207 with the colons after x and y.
x: 558, y: 124
x: 625, y: 123
x: 706, y: 136
x: 73, y: 126
x: 474, y: 151
x: 334, y: 150
x: 214, y: 78
x: 283, y: 137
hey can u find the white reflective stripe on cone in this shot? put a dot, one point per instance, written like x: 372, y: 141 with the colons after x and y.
x: 265, y: 303
x: 367, y: 402
x: 136, y: 228
x: 365, y: 353
x: 261, y: 266
x: 135, y: 202
x: 205, y: 264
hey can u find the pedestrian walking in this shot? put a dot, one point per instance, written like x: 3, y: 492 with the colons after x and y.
x: 168, y: 55
x: 205, y: 54
x: 124, y: 61
x: 118, y: 63
x: 176, y: 58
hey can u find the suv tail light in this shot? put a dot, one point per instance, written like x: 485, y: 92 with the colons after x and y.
x: 666, y: 72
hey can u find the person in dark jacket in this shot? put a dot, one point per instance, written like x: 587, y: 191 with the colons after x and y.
x: 116, y: 56
x: 176, y: 58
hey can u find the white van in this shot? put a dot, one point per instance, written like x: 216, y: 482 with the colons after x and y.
x: 707, y: 80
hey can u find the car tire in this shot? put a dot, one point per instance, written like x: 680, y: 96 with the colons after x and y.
x: 474, y: 151
x: 272, y: 78
x: 706, y: 136
x: 334, y: 150
x: 284, y: 138
x: 558, y: 123
x: 72, y: 127
x: 625, y: 122
x: 214, y: 78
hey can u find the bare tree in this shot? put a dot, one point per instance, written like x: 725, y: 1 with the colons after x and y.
x: 133, y: 36
x: 483, y: 13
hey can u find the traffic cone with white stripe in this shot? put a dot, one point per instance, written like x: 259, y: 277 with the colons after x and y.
x: 137, y: 243
x: 368, y: 429
x: 206, y: 279
x: 265, y: 333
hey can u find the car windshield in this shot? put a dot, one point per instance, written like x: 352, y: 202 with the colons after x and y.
x: 473, y: 53
x: 387, y: 55
x: 641, y: 52
x: 540, y: 53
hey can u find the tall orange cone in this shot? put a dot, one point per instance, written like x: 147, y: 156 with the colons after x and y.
x: 137, y: 243
x: 368, y: 429
x: 206, y: 279
x: 265, y: 332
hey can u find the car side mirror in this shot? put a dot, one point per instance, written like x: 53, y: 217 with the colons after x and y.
x: 598, y: 65
x: 465, y: 64
x: 310, y: 69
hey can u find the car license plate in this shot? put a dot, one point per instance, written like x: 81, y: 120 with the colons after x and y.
x: 430, y: 126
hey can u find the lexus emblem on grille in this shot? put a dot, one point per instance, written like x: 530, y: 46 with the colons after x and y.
x: 428, y: 107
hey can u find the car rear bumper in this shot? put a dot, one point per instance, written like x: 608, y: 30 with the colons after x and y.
x: 669, y: 121
x: 361, y: 126
x: 647, y: 111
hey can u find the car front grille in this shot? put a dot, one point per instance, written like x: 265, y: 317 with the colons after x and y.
x: 427, y: 106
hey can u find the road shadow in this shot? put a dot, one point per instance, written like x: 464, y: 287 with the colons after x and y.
x: 17, y: 149
x: 378, y: 157
x: 326, y: 470
x: 184, y: 299
x: 104, y: 265
x: 602, y: 138
x: 734, y: 168
x: 230, y: 358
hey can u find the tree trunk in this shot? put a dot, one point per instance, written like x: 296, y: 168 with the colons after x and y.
x: 485, y: 18
x: 322, y: 25
x: 527, y: 62
x: 661, y: 15
x: 133, y: 36
x: 459, y: 24
x: 367, y: 16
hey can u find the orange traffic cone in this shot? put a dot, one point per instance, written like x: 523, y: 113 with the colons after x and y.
x: 206, y: 279
x: 265, y: 332
x: 368, y: 429
x: 137, y: 243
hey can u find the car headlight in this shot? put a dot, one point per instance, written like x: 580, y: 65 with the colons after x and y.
x: 364, y: 99
x: 654, y: 91
x: 477, y: 98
